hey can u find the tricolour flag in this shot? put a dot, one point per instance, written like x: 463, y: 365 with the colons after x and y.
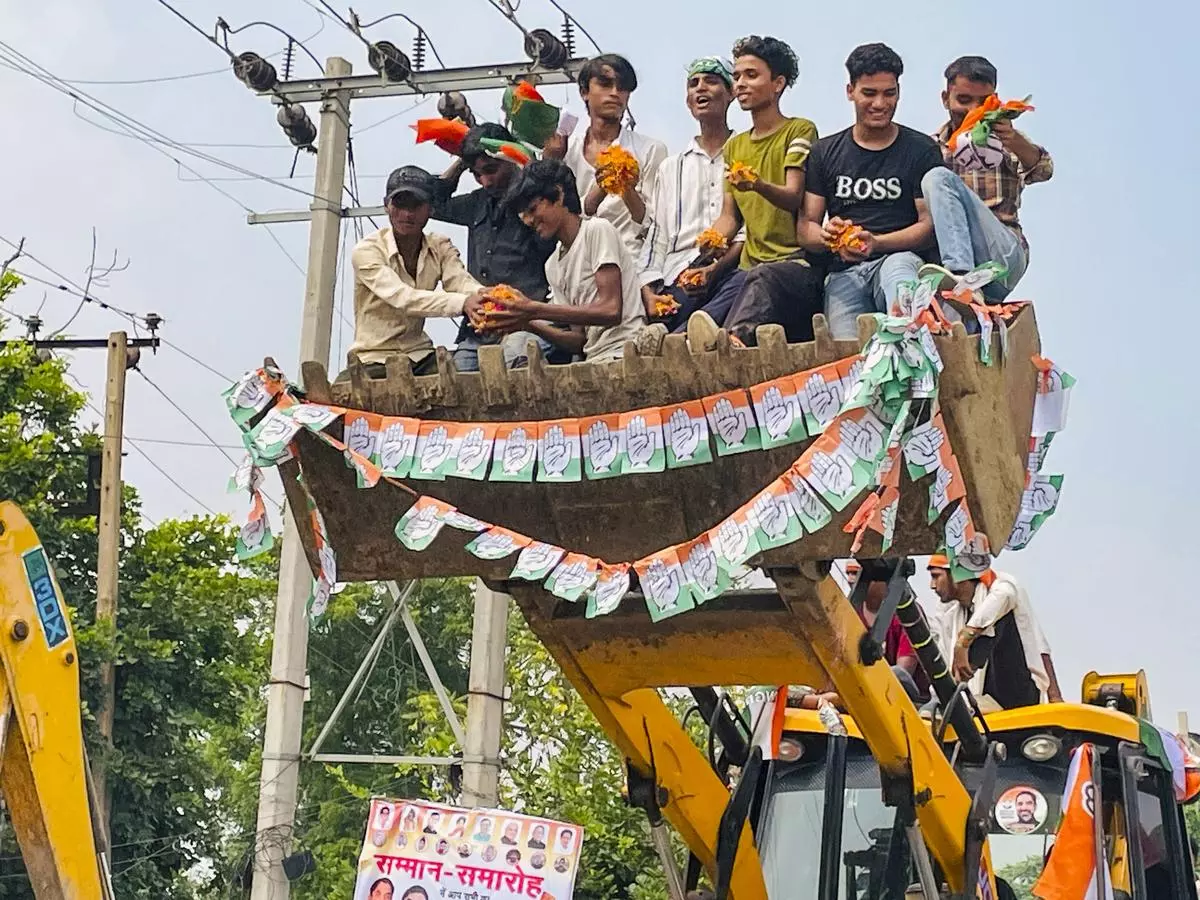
x: 1070, y: 873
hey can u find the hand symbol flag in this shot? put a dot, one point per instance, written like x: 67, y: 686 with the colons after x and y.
x: 519, y: 451
x: 472, y: 451
x: 778, y: 413
x: 684, y: 434
x: 640, y: 440
x: 833, y: 473
x: 556, y: 452
x: 359, y: 437
x: 435, y: 450
x: 730, y: 424
x: 602, y: 446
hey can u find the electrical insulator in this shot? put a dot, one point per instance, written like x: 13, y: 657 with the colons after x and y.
x: 33, y: 325
x: 453, y: 105
x: 152, y: 320
x: 545, y: 49
x: 297, y: 126
x: 389, y: 61
x: 255, y: 72
x: 568, y: 36
x: 419, y: 51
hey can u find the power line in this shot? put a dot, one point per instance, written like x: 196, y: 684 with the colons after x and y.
x: 160, y: 79
x: 138, y: 130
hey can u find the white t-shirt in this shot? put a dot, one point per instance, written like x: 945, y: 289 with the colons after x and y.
x: 649, y: 153
x: 571, y: 274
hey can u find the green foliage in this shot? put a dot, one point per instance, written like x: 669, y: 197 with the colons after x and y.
x: 192, y: 653
x: 1022, y: 874
x: 558, y: 763
x: 190, y: 650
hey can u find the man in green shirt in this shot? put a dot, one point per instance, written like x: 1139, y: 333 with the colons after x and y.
x: 764, y: 191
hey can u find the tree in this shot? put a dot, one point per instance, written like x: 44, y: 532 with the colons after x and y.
x: 190, y: 651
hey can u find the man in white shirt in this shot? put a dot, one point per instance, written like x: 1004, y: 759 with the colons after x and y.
x: 689, y: 193
x: 402, y: 276
x: 605, y: 83
x: 593, y: 279
x: 989, y: 630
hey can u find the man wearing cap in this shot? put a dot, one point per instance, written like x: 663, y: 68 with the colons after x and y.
x: 688, y: 195
x: 997, y: 646
x: 763, y: 194
x: 500, y: 249
x: 403, y: 276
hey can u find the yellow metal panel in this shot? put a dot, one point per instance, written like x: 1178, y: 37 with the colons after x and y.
x: 899, y: 740
x: 42, y: 774
x: 1076, y: 717
x: 645, y: 730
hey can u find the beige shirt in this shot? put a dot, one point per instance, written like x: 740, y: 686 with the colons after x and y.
x: 390, y: 306
x: 571, y: 274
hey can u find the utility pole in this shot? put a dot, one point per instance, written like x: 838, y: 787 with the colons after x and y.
x: 285, y: 696
x: 289, y: 655
x: 485, y: 698
x: 108, y: 555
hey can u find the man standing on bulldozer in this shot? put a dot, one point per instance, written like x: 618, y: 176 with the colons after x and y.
x: 993, y: 638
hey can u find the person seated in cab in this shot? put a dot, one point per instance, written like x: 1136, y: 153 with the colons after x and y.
x: 868, y: 177
x: 992, y: 637
x: 592, y: 277
x: 403, y: 276
x: 500, y: 249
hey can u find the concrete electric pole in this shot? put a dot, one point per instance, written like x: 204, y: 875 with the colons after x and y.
x: 485, y: 698
x: 289, y: 654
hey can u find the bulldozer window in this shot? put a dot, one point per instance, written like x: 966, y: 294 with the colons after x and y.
x: 790, y: 835
x: 1164, y: 856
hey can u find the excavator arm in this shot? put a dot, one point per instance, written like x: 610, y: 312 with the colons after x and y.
x: 43, y: 772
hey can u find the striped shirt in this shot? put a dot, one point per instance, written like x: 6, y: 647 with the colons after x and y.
x: 770, y: 231
x: 688, y: 195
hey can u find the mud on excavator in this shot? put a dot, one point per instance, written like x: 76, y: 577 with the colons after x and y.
x: 892, y: 803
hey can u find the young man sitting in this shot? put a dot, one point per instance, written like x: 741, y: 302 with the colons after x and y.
x: 765, y: 189
x: 975, y: 202
x: 402, y: 276
x: 688, y: 196
x: 868, y: 177
x: 592, y: 277
x: 605, y: 83
x: 500, y: 249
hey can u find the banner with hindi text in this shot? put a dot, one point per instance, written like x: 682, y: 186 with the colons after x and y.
x: 415, y: 850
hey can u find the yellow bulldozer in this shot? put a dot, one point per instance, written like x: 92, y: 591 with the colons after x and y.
x: 894, y: 804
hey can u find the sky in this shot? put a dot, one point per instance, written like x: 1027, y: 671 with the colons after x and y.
x: 1106, y: 235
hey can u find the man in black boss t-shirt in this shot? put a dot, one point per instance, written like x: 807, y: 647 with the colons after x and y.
x: 868, y: 177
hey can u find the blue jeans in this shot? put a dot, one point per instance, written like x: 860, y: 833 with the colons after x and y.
x: 716, y: 301
x: 466, y: 354
x: 864, y: 288
x: 968, y: 233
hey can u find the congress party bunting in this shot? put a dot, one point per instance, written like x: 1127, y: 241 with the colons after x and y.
x: 869, y: 414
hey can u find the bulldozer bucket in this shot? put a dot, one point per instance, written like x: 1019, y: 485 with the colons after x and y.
x: 987, y: 409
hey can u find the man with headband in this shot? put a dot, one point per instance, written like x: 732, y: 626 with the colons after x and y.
x: 990, y: 636
x: 688, y: 197
x: 763, y: 193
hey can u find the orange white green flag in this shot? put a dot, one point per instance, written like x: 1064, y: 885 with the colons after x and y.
x: 1070, y: 872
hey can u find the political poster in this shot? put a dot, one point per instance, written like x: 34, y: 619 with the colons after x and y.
x: 415, y: 850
